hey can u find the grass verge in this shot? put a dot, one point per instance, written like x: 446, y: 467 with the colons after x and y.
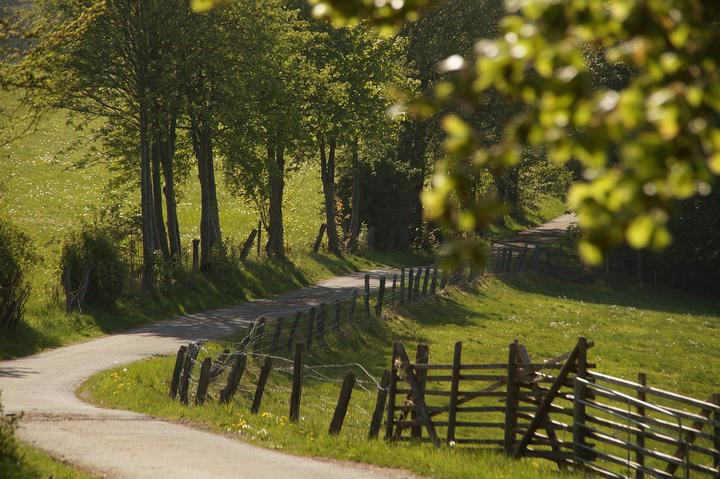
x: 671, y: 336
x: 31, y: 463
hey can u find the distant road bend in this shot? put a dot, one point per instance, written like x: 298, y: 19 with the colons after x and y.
x: 123, y: 444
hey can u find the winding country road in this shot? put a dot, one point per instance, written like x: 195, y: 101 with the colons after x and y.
x: 123, y: 444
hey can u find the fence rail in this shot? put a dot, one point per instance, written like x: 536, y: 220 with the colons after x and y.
x: 561, y: 409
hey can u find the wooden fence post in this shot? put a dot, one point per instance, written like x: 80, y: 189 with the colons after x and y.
x: 338, y: 314
x: 511, y: 399
x: 342, y: 404
x: 262, y: 380
x: 179, y: 361
x: 275, y: 345
x: 418, y: 395
x: 425, y: 281
x: 433, y: 283
x: 188, y: 363
x: 422, y: 356
x: 235, y: 375
x: 322, y: 314
x: 543, y: 408
x: 247, y: 247
x: 580, y: 396
x: 367, y: 296
x: 195, y: 255
x: 298, y: 366
x: 454, y: 388
x: 393, y: 291
x: 318, y: 240
x: 203, y: 382
x: 402, y: 285
x: 640, y: 438
x: 380, y: 298
x: 411, y: 278
x: 416, y: 292
x: 392, y: 386
x: 353, y: 305
x: 310, y: 328
x: 293, y: 331
x: 376, y: 421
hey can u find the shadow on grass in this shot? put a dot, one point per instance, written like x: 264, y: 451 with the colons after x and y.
x: 50, y: 326
x: 616, y: 290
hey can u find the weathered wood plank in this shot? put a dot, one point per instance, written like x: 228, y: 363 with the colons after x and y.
x: 342, y: 404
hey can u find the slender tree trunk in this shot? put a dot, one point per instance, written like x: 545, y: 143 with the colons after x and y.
x: 327, y: 167
x: 146, y: 202
x: 169, y: 190
x: 161, y: 241
x: 276, y: 160
x: 355, y: 198
x: 209, y: 216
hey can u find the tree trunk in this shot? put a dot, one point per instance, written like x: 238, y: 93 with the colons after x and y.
x: 355, y: 198
x: 209, y: 217
x: 146, y: 203
x: 276, y: 170
x: 161, y: 241
x: 169, y: 190
x: 327, y: 173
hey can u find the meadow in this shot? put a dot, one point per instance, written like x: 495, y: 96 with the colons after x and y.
x: 671, y: 336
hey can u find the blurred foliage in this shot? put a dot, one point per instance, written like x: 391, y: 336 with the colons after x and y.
x: 647, y: 137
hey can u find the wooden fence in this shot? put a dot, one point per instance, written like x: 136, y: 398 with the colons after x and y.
x: 561, y: 410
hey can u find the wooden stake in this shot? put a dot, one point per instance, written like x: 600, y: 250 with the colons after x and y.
x: 342, y: 404
x: 390, y: 416
x: 381, y: 296
x: 203, y: 382
x: 425, y: 281
x: 179, y: 361
x: 262, y: 380
x: 382, y: 394
x: 454, y: 389
x: 639, y: 438
x: 297, y: 382
x: 196, y: 255
x: 422, y: 356
x: 511, y: 399
x: 367, y: 296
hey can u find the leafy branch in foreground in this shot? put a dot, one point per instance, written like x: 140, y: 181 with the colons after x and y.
x: 645, y: 143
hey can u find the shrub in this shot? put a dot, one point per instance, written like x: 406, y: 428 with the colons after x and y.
x: 92, y: 270
x: 16, y: 255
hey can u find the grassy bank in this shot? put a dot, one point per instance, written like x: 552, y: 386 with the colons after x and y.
x: 33, y: 463
x: 634, y: 330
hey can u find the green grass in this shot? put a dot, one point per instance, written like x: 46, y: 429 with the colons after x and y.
x: 34, y: 463
x: 672, y: 336
x: 48, y: 196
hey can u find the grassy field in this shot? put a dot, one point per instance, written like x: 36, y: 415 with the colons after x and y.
x: 48, y: 195
x: 672, y: 336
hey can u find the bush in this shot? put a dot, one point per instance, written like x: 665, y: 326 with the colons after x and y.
x: 16, y: 255
x: 92, y: 270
